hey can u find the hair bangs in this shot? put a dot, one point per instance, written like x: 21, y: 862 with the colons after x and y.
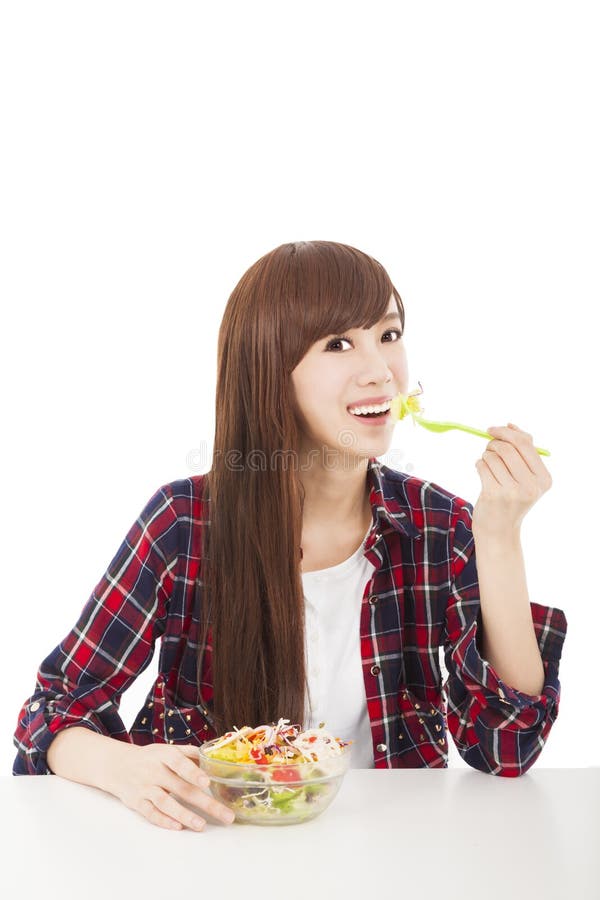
x: 338, y: 287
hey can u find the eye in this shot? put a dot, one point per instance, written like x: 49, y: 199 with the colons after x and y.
x: 337, y: 341
x: 395, y: 331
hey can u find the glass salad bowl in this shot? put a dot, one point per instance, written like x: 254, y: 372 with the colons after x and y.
x: 274, y: 793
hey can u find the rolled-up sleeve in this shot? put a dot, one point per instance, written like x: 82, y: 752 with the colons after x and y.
x: 496, y: 729
x: 81, y: 681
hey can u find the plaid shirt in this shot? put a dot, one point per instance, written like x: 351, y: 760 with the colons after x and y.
x: 423, y: 595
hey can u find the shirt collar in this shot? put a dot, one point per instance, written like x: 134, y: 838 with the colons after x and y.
x: 385, y: 502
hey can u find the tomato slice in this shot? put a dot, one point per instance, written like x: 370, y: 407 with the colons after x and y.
x: 286, y: 773
x: 259, y: 757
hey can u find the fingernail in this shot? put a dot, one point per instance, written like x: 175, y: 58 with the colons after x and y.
x: 228, y: 817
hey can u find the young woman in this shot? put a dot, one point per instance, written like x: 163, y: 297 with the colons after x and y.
x: 302, y: 578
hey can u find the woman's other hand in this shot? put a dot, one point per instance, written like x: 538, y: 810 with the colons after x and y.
x: 149, y: 775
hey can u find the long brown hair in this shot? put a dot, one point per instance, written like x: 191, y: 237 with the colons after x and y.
x: 250, y: 586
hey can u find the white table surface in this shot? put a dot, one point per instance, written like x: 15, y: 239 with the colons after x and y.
x: 438, y: 833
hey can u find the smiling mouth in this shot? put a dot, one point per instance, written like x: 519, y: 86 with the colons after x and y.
x: 371, y: 416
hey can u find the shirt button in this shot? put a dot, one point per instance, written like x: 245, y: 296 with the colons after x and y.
x: 382, y: 747
x: 34, y: 706
x: 375, y: 670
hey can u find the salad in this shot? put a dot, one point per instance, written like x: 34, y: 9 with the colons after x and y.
x: 275, y: 773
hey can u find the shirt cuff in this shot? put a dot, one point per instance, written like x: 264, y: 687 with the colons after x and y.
x: 41, y: 722
x: 487, y: 687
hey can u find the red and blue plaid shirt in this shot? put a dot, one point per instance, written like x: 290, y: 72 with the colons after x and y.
x: 423, y: 595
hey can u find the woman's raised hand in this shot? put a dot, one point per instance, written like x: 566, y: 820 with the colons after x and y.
x: 149, y: 774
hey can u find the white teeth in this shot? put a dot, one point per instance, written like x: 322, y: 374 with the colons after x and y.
x: 361, y: 410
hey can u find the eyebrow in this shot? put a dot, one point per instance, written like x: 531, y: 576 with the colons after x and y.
x: 388, y: 316
x: 391, y: 315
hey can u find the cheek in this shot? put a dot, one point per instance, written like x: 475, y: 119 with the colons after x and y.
x: 318, y: 386
x: 311, y: 394
x: 401, y: 373
x: 303, y: 387
x: 323, y: 410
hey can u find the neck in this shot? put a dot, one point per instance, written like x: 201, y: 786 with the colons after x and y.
x: 332, y: 496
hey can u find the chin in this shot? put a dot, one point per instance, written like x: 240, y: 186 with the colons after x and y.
x: 367, y: 449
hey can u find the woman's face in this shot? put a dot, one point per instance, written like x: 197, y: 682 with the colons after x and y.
x: 342, y: 371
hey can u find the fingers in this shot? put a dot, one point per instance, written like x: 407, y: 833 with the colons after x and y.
x: 196, y: 796
x: 511, y: 466
x: 163, y: 810
x: 166, y: 770
x: 506, y: 462
x: 187, y: 769
x: 150, y: 812
x: 190, y: 750
x: 522, y: 441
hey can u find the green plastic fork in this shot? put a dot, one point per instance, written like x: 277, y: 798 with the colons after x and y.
x: 448, y: 426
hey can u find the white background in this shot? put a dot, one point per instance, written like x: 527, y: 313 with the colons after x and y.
x: 152, y: 152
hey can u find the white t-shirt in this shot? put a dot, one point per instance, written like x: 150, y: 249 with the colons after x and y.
x: 333, y: 599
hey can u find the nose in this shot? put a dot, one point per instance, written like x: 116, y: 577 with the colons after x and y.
x: 375, y: 368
